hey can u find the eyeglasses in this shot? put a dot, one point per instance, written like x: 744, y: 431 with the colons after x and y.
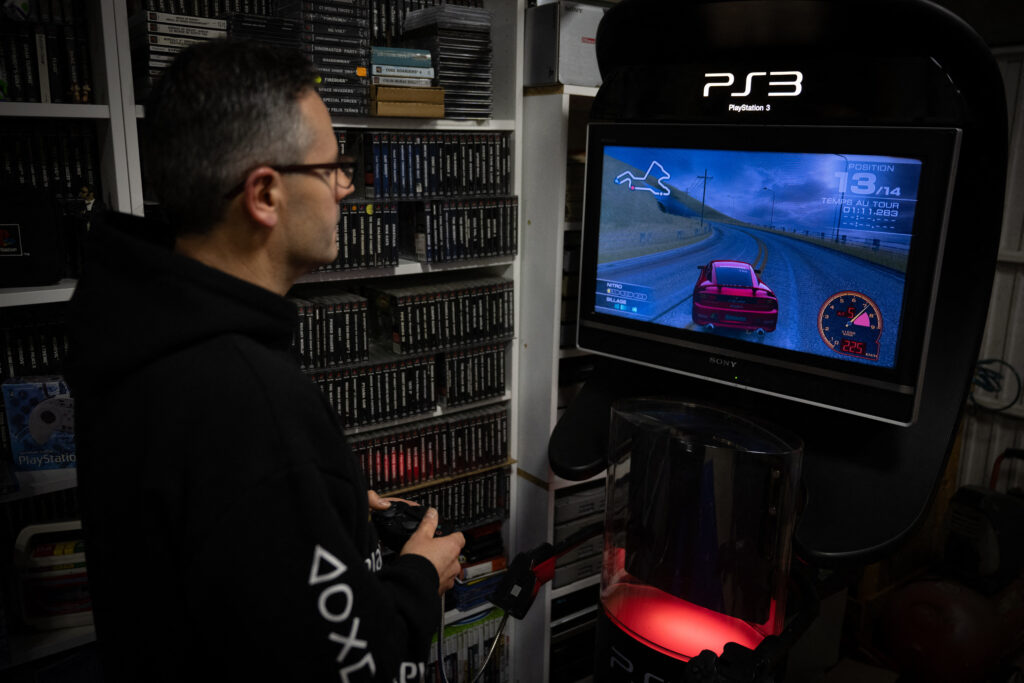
x: 344, y: 171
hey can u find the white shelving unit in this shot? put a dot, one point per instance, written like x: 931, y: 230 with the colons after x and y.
x: 987, y: 434
x: 551, y: 118
x: 116, y: 116
x: 115, y: 158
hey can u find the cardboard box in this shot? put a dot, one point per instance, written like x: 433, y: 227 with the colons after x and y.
x: 561, y: 42
x: 394, y: 93
x: 417, y: 109
x: 40, y: 418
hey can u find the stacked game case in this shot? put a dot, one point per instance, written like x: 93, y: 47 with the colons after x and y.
x: 380, y: 389
x: 465, y: 646
x: 425, y: 317
x: 332, y: 330
x: 415, y: 165
x: 165, y: 28
x: 413, y: 454
x: 336, y: 37
x: 469, y: 501
x: 271, y: 30
x: 460, y: 40
x: 456, y: 229
x: 403, y: 83
x: 44, y: 53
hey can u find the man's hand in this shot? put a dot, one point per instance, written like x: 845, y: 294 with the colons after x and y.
x: 378, y: 503
x: 443, y: 551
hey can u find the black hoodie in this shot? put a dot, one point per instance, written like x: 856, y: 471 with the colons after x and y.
x: 225, y: 517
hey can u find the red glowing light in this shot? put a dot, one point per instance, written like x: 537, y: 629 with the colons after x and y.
x: 673, y: 626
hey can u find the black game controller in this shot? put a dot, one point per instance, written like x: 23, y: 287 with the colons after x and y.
x: 396, y: 524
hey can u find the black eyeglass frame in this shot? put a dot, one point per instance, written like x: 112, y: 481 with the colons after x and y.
x: 345, y: 167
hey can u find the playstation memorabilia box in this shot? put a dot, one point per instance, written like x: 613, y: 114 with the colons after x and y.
x: 561, y: 44
x: 40, y: 418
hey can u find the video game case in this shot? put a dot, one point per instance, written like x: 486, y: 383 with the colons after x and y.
x: 198, y: 32
x: 395, y: 70
x: 461, y: 312
x: 194, y: 20
x: 337, y: 8
x: 337, y: 39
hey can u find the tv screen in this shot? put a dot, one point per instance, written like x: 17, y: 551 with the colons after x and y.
x: 797, y: 261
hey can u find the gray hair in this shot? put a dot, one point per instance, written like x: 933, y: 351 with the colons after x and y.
x: 221, y: 109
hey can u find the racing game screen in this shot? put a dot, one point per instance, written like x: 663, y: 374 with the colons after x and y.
x: 802, y: 251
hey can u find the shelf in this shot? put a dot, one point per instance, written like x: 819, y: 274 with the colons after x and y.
x: 1011, y: 257
x: 49, y: 294
x: 575, y: 586
x: 558, y: 483
x: 395, y: 123
x: 32, y: 646
x: 439, y: 411
x: 1015, y: 411
x: 40, y: 482
x: 404, y: 267
x: 394, y: 493
x: 573, y: 353
x: 577, y: 90
x: 453, y: 616
x: 49, y: 110
x: 402, y: 123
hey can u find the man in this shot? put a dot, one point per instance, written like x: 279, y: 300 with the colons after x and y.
x: 226, y: 519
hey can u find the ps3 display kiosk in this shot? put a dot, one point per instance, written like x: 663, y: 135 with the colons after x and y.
x: 792, y: 211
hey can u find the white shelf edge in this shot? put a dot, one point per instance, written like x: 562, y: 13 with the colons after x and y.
x: 558, y: 483
x: 399, y: 123
x: 42, y: 481
x: 561, y: 89
x: 455, y: 615
x: 575, y: 615
x: 403, y: 123
x: 30, y: 647
x: 404, y: 267
x: 1015, y: 411
x: 51, y: 110
x: 575, y: 586
x: 439, y: 411
x: 49, y: 294
x: 1011, y: 256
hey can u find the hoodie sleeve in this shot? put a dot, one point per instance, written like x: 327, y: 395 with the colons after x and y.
x: 282, y: 582
x: 279, y: 575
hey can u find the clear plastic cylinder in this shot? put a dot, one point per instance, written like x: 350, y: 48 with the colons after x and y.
x: 699, y: 526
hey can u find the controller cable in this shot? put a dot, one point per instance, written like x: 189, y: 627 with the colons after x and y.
x: 487, y: 660
x: 519, y: 586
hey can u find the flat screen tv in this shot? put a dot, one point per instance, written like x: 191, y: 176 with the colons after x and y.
x: 796, y: 261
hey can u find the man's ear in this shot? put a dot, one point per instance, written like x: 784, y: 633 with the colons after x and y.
x: 261, y: 197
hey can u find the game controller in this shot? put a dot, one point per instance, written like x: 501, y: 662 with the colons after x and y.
x: 52, y: 415
x: 396, y: 524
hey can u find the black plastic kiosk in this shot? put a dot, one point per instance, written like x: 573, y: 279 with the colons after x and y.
x: 792, y: 211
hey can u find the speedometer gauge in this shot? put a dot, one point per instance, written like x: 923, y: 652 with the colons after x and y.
x: 850, y: 323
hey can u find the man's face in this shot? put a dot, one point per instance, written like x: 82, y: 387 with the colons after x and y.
x: 312, y: 207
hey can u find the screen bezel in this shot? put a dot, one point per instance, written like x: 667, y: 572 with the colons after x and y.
x: 887, y: 394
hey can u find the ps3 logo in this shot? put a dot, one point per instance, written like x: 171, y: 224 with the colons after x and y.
x: 785, y: 83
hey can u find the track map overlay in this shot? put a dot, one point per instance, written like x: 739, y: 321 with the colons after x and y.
x: 829, y: 234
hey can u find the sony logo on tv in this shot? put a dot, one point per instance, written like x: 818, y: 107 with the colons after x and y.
x: 780, y: 83
x: 723, y: 362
